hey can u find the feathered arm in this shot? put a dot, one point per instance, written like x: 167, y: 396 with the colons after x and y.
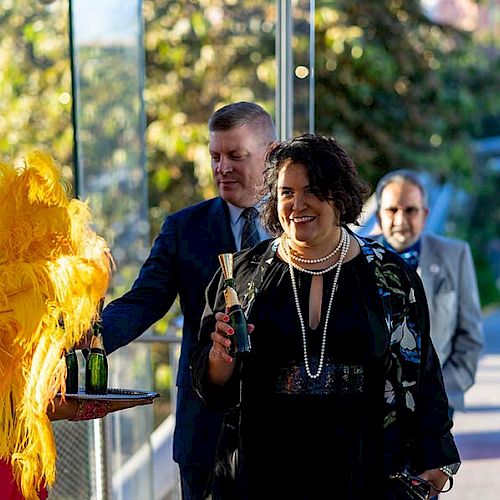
x: 52, y: 267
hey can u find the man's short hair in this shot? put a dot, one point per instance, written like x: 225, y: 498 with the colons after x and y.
x: 399, y: 176
x: 242, y: 113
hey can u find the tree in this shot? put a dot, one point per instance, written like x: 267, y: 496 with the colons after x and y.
x: 199, y: 56
x: 398, y: 89
x: 35, y: 80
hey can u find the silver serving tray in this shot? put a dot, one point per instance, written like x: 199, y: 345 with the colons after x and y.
x: 114, y: 395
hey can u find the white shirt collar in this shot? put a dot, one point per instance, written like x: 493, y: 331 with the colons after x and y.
x: 234, y: 212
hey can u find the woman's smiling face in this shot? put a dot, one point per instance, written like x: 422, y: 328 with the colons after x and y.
x: 307, y: 219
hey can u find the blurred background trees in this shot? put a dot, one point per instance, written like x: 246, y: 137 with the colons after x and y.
x: 399, y: 89
x: 199, y: 56
x: 395, y: 87
x: 35, y: 80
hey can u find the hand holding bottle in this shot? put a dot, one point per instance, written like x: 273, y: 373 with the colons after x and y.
x: 240, y: 342
x: 221, y: 363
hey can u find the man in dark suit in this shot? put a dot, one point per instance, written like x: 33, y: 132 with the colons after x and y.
x: 182, y: 262
x: 447, y: 271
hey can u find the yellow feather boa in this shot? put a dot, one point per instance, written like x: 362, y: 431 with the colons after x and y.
x: 52, y: 267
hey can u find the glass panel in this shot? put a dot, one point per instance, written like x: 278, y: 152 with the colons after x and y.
x: 295, y: 49
x: 107, y: 38
x: 303, y: 66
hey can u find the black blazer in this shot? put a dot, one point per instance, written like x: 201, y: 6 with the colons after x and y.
x: 182, y: 262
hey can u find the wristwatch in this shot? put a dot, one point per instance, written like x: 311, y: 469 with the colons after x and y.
x: 450, y: 470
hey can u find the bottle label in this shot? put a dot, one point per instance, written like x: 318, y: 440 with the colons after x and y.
x: 96, y: 373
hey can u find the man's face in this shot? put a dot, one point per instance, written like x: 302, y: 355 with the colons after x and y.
x: 402, y: 214
x: 238, y: 158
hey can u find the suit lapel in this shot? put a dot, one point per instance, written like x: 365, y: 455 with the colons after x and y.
x: 219, y: 223
x: 428, y: 268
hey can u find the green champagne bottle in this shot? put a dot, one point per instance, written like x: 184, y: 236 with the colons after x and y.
x: 71, y: 372
x: 240, y: 341
x: 96, y: 370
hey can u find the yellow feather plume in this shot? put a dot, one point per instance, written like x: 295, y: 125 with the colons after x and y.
x: 52, y: 267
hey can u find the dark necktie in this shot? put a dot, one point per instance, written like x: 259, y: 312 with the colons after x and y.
x: 250, y: 235
x: 411, y: 258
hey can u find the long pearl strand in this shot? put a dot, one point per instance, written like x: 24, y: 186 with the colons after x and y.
x: 344, y: 249
x: 313, y: 261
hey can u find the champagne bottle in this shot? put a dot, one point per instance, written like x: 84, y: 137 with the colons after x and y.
x: 71, y: 372
x: 96, y: 370
x: 240, y: 340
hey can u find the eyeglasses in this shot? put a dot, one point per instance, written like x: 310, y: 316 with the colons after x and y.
x: 407, y: 211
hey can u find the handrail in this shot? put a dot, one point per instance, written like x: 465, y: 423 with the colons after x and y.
x: 165, y: 339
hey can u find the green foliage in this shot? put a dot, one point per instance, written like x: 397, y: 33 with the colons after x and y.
x: 197, y: 60
x: 482, y: 233
x: 399, y: 90
x: 35, y: 80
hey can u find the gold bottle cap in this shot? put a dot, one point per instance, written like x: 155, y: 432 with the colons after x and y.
x: 226, y: 263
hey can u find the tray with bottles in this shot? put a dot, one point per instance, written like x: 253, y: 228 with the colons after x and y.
x: 114, y: 394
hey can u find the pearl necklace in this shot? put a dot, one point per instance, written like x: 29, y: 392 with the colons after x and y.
x: 313, y: 261
x: 345, y: 247
x: 287, y: 252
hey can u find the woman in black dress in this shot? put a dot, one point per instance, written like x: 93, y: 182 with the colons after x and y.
x: 342, y: 388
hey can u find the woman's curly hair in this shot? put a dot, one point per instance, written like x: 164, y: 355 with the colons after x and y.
x: 331, y: 173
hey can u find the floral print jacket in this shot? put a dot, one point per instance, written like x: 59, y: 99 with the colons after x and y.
x: 416, y: 422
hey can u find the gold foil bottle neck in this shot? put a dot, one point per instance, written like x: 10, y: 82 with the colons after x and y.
x: 96, y: 342
x: 231, y: 297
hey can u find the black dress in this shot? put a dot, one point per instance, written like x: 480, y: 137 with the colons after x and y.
x: 304, y: 438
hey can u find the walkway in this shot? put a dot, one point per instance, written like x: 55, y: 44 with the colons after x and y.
x: 477, y: 431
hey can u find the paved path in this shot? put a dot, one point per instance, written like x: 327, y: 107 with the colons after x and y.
x: 477, y: 431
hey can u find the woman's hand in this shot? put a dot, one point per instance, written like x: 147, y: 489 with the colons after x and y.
x: 220, y: 339
x: 221, y: 364
x: 437, y: 478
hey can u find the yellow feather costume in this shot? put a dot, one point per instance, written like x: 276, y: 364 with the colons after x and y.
x: 52, y: 267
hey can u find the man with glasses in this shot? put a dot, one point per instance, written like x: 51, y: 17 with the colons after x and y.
x: 447, y: 271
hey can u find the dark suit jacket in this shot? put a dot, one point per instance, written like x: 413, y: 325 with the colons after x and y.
x: 181, y: 263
